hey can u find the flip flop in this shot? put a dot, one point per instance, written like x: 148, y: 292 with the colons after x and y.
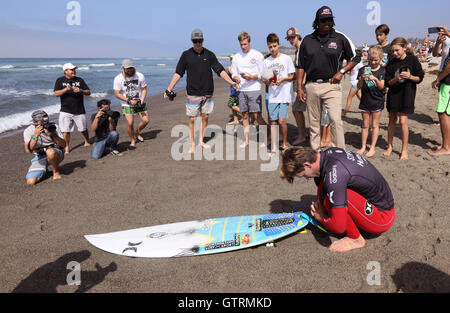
x: 139, y: 139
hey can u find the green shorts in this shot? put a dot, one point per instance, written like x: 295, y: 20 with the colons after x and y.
x: 444, y: 99
x: 133, y: 110
x: 233, y: 101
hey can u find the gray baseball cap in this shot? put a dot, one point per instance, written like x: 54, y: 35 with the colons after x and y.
x: 38, y: 115
x: 127, y: 63
x: 196, y: 34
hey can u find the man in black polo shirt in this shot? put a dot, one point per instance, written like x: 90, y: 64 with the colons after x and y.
x: 320, y: 57
x: 198, y: 62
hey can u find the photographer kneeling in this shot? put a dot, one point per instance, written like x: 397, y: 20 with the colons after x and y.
x: 45, y: 141
x: 104, y: 125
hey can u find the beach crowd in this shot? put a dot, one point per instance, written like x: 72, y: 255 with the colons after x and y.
x: 382, y: 76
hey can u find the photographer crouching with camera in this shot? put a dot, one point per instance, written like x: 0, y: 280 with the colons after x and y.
x: 45, y: 141
x: 104, y: 124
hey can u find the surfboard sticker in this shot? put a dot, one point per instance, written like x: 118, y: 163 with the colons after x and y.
x: 199, y: 237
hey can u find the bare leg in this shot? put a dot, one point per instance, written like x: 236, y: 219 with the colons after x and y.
x: 86, y: 138
x: 300, y: 120
x: 364, y: 132
x: 391, y: 130
x: 192, y: 134
x: 67, y: 140
x: 284, y: 131
x: 405, y: 136
x: 245, y: 123
x: 444, y: 149
x: 145, y: 119
x: 54, y: 160
x: 375, y: 132
x: 202, y: 130
x: 130, y: 129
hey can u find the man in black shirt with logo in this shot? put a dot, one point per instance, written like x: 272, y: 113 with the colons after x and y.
x: 320, y: 57
x: 71, y: 89
x: 351, y: 193
x: 198, y: 62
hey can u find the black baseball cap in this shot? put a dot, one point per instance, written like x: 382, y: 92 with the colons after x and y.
x: 324, y: 12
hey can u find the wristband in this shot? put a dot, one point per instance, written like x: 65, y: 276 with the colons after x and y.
x: 32, y: 137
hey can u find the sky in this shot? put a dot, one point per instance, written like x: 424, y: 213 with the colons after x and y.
x: 142, y: 28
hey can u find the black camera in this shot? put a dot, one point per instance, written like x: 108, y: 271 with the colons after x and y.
x: 171, y: 94
x: 110, y: 113
x: 140, y: 105
x: 51, y: 127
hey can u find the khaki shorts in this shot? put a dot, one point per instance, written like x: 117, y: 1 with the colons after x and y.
x: 67, y: 122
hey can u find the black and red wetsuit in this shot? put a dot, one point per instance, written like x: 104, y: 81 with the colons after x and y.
x: 354, y: 193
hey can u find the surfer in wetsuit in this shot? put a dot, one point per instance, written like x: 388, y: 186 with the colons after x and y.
x: 351, y: 193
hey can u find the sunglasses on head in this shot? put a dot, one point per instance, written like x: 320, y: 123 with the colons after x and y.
x: 197, y: 40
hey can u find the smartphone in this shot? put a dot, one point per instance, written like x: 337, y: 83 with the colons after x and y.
x: 367, y: 70
x: 404, y: 69
x: 434, y: 30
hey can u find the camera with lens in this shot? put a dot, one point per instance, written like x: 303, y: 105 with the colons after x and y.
x: 110, y: 113
x: 51, y: 127
x: 140, y: 105
x: 171, y: 94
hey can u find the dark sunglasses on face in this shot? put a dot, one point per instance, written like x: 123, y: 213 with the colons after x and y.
x: 326, y: 20
x: 290, y: 37
x: 197, y: 40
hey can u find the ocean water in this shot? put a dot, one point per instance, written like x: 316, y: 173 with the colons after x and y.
x: 27, y: 84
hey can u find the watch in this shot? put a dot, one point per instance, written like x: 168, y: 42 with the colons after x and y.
x: 342, y: 71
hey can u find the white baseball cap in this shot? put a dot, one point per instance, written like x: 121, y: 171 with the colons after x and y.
x: 69, y: 66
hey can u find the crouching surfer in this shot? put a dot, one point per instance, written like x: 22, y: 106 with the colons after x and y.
x: 351, y: 193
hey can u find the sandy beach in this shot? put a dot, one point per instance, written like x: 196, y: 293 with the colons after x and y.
x: 42, y: 227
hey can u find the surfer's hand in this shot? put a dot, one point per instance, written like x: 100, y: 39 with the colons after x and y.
x: 317, y: 211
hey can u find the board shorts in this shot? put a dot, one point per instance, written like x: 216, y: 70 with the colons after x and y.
x: 233, y: 101
x: 132, y: 110
x: 196, y: 105
x: 250, y: 101
x: 277, y: 110
x: 359, y: 213
x: 39, y: 164
x: 67, y: 122
x: 444, y: 99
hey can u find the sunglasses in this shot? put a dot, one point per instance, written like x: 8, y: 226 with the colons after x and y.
x: 326, y: 20
x: 197, y: 40
x: 290, y: 37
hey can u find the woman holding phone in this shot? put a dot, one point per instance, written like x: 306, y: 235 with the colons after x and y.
x: 403, y: 74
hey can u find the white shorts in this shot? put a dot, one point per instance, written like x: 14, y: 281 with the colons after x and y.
x: 67, y: 121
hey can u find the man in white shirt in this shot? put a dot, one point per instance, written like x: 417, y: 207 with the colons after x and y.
x: 246, y: 67
x: 130, y: 88
x: 281, y: 92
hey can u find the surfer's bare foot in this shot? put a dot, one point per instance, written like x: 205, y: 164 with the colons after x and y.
x: 346, y: 244
x: 404, y: 155
x: 388, y: 151
x: 370, y: 153
x: 361, y: 151
x: 440, y: 151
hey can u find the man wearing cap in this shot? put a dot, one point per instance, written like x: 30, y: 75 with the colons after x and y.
x: 320, y: 58
x: 103, y: 124
x: 198, y: 62
x: 299, y: 107
x: 45, y: 141
x: 71, y: 89
x: 130, y: 88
